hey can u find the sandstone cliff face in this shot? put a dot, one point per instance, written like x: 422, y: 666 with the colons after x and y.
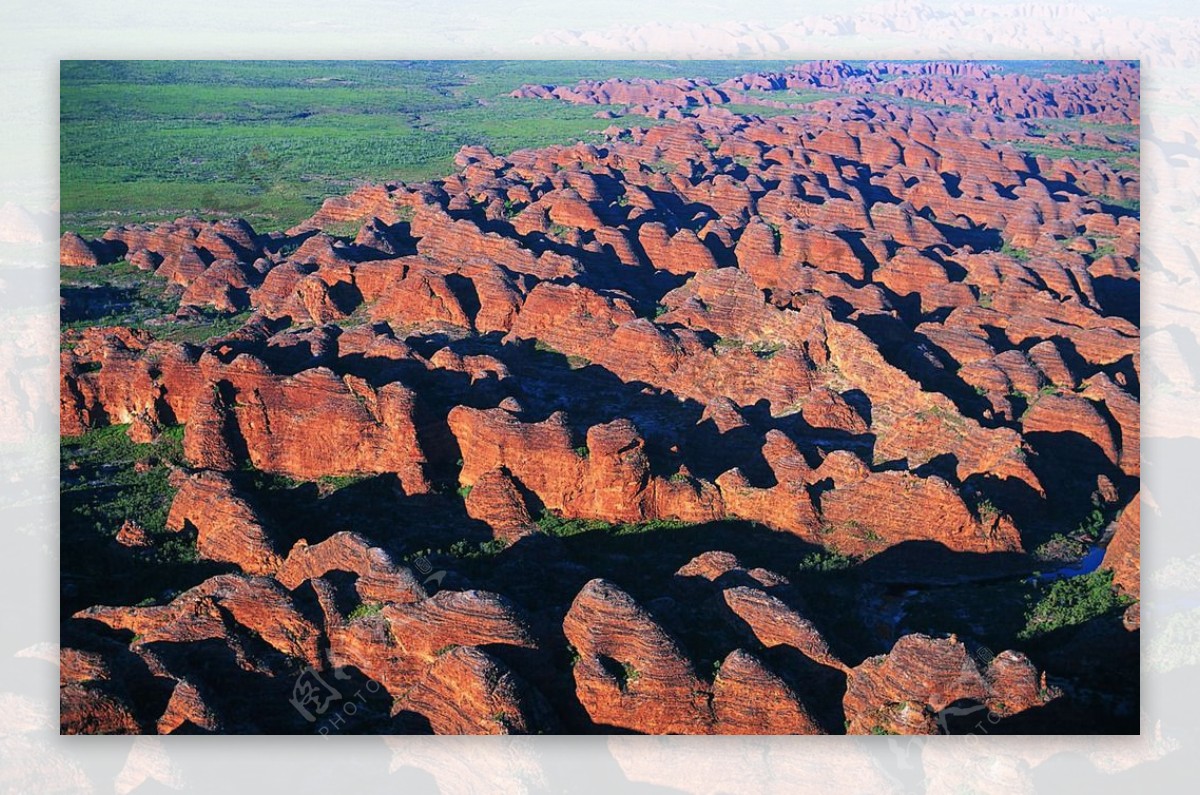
x: 74, y: 252
x: 378, y: 579
x: 774, y: 624
x: 863, y: 514
x: 1123, y: 555
x: 466, y: 691
x: 309, y: 425
x: 90, y: 702
x: 749, y: 699
x: 495, y: 498
x: 903, y: 691
x: 630, y: 672
x: 253, y: 604
x: 227, y: 528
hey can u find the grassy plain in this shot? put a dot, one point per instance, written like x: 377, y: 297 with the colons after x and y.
x: 153, y: 140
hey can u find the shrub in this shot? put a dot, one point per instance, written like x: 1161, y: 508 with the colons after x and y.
x: 1059, y: 547
x: 825, y: 561
x: 1073, y: 601
x: 473, y: 550
x: 765, y: 349
x: 558, y: 526
x: 1093, y: 526
x: 365, y: 609
x: 492, y: 547
x: 582, y: 451
x: 177, y: 549
x: 336, y: 482
x: 1016, y: 253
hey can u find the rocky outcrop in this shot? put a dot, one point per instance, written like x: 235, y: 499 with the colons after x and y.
x: 75, y: 252
x: 496, y: 498
x: 227, y: 528
x: 773, y: 623
x: 749, y: 699
x: 378, y: 579
x: 630, y: 673
x: 188, y: 708
x: 425, y: 628
x: 861, y: 515
x: 273, y: 418
x: 90, y: 701
x: 467, y: 691
x: 904, y: 691
x: 252, y: 604
x: 1123, y: 555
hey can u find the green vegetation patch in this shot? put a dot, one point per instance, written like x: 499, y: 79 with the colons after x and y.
x: 1119, y: 161
x: 1015, y: 252
x: 1073, y: 601
x: 269, y: 140
x: 115, y: 294
x: 108, y: 454
x: 551, y: 524
x: 119, y: 294
x: 825, y: 561
x: 106, y: 480
x: 365, y: 609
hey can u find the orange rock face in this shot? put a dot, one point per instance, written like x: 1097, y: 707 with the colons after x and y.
x: 749, y: 699
x: 227, y: 528
x: 630, y: 672
x: 75, y: 252
x: 378, y: 579
x: 361, y: 429
x: 904, y: 691
x: 1123, y: 555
